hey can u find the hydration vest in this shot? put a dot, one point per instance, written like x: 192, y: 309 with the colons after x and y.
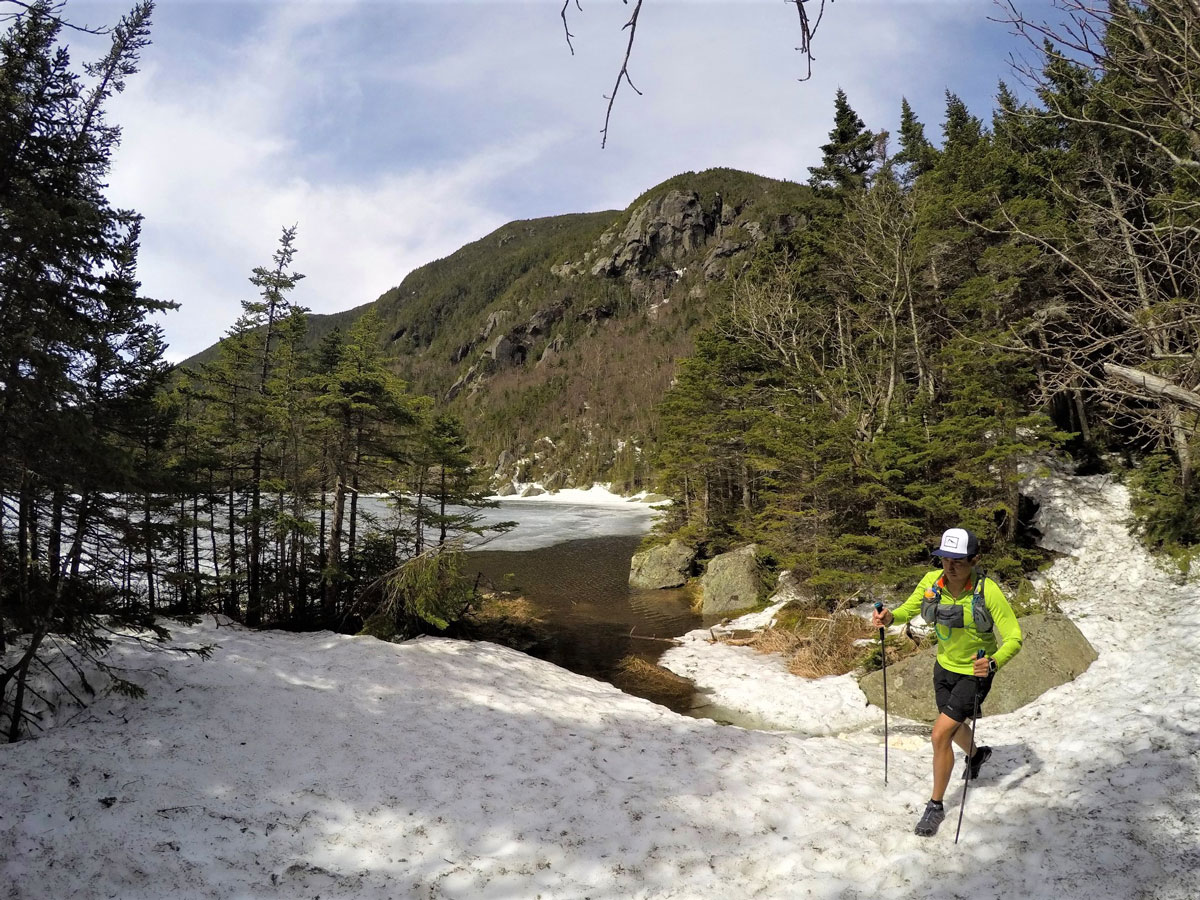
x: 950, y: 615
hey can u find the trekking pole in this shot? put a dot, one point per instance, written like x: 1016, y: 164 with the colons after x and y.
x: 967, y: 780
x: 883, y: 659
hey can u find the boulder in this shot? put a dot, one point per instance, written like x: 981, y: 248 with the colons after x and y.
x: 731, y: 581
x: 1054, y: 652
x: 665, y: 566
x: 553, y: 350
x: 505, y: 351
x: 789, y: 589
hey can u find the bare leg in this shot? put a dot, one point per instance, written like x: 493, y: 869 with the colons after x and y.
x: 947, y: 733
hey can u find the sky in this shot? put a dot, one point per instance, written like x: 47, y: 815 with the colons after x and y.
x: 299, y: 765
x: 393, y: 132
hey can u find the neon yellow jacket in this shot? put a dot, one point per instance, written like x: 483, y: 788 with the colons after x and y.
x: 957, y: 646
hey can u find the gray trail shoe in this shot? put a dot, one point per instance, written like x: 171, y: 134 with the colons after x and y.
x: 975, y: 763
x: 933, y: 816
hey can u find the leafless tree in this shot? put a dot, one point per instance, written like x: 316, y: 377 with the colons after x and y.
x: 1128, y: 328
x: 1150, y: 47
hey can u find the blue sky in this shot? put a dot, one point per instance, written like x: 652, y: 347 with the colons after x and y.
x: 394, y: 132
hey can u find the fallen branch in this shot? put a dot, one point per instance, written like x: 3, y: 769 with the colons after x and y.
x: 1154, y: 384
x: 643, y: 637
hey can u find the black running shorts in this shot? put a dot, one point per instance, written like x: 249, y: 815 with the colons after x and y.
x: 955, y: 693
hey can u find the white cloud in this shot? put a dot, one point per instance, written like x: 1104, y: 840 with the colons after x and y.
x: 394, y: 133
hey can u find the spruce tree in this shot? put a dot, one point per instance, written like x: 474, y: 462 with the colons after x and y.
x: 847, y: 160
x: 79, y: 363
x: 917, y: 156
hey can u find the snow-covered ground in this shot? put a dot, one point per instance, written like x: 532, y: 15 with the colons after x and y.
x: 319, y: 765
x: 597, y: 495
x: 551, y: 518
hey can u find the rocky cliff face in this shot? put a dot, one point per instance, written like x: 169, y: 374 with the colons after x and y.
x: 678, y: 242
x: 568, y: 327
x: 675, y: 230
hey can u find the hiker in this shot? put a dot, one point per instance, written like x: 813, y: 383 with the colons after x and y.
x: 968, y: 612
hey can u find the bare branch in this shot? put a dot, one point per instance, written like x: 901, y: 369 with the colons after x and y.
x: 28, y: 7
x: 808, y: 28
x: 566, y: 28
x: 624, y: 73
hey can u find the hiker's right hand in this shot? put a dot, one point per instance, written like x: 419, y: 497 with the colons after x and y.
x: 882, y: 618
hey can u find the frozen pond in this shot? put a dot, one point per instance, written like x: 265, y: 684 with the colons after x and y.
x: 548, y: 520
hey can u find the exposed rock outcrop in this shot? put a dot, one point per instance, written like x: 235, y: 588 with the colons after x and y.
x: 789, y: 589
x: 665, y: 566
x: 669, y: 228
x: 731, y: 581
x: 1053, y: 653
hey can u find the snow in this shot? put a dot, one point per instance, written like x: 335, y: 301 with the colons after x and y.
x: 597, y: 495
x: 304, y: 765
x: 753, y: 689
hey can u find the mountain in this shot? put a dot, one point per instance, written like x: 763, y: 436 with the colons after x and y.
x: 553, y: 339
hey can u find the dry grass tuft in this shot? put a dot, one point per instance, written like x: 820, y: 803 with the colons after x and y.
x: 830, y: 647
x: 507, y: 607
x: 506, y: 619
x: 816, y: 641
x: 777, y: 640
x: 636, y: 676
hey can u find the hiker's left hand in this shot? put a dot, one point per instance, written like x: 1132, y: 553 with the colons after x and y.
x: 982, y: 667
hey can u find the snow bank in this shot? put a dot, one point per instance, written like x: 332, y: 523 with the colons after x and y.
x: 303, y: 765
x: 752, y: 689
x: 597, y: 495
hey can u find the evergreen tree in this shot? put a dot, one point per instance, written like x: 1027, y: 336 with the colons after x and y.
x: 917, y: 156
x: 363, y: 409
x: 79, y: 363
x: 847, y: 160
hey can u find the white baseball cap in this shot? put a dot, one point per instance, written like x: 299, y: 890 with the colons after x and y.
x: 957, y: 543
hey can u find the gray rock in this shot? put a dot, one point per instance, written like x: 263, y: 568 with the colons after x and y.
x: 544, y: 319
x: 671, y: 228
x: 532, y: 491
x: 789, y: 589
x: 553, y: 350
x: 1053, y: 652
x: 505, y: 351
x: 506, y: 490
x: 493, y: 321
x: 731, y: 582
x: 665, y: 566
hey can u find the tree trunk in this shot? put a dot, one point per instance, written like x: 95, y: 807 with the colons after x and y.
x: 334, y: 553
x: 148, y: 549
x: 54, y: 541
x: 1154, y: 384
x: 16, y: 709
x: 254, y: 600
x: 232, y: 600
x: 442, y: 507
x: 197, y: 581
